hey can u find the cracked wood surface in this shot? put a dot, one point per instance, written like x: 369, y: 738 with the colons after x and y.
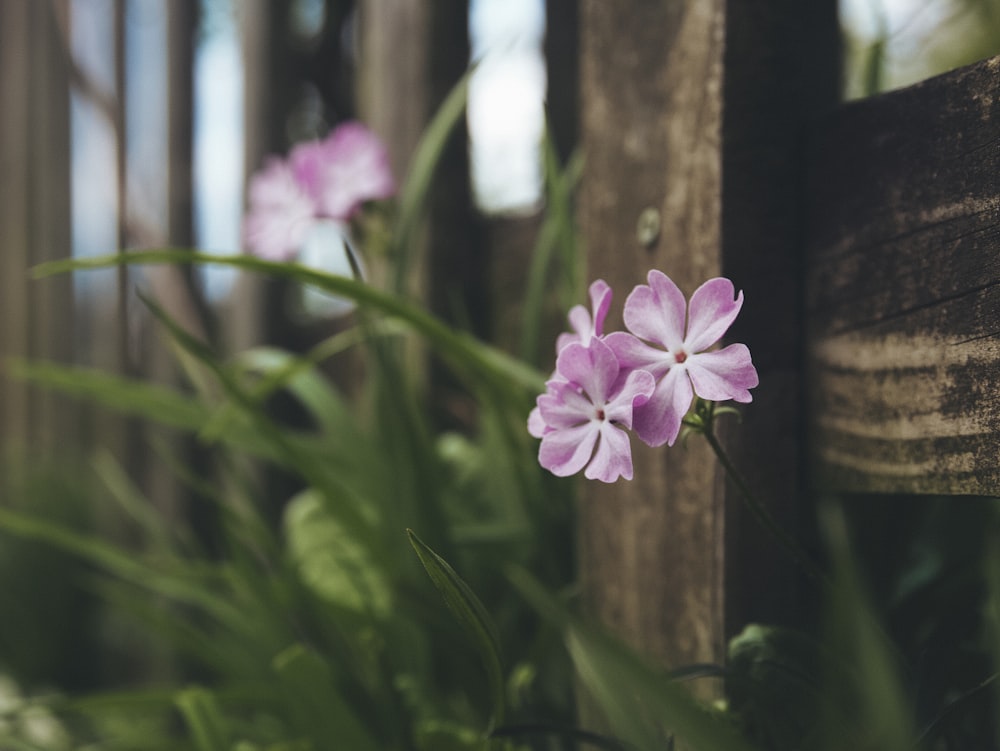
x: 903, y: 289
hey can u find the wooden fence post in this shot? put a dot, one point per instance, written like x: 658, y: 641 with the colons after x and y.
x: 34, y: 220
x: 244, y: 324
x: 412, y: 54
x: 691, y: 118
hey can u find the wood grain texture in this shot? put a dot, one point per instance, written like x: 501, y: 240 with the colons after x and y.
x: 395, y: 99
x: 903, y: 289
x: 781, y: 74
x: 15, y: 226
x: 698, y: 110
x: 38, y: 319
x: 243, y: 322
x: 651, y: 81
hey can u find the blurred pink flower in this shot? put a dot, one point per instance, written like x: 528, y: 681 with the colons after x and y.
x: 678, y: 360
x: 281, y: 213
x: 348, y: 168
x: 328, y: 179
x: 581, y: 417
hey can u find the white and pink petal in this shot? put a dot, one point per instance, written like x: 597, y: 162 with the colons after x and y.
x: 613, y: 457
x: 355, y: 169
x: 537, y: 427
x: 600, y: 303
x: 714, y: 306
x: 656, y: 312
x: 279, y: 215
x: 566, y: 451
x: 634, y: 354
x: 563, y: 406
x: 724, y: 374
x: 636, y: 391
x: 658, y: 421
x: 594, y: 368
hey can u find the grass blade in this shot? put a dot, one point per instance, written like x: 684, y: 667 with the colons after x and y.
x: 466, y: 355
x: 316, y: 707
x: 413, y: 196
x: 642, y: 704
x: 472, y: 616
x: 204, y: 720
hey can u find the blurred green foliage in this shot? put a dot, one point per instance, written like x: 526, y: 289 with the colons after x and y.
x: 889, y: 45
x: 322, y: 628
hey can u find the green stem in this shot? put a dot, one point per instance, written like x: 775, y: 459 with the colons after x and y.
x: 760, y: 513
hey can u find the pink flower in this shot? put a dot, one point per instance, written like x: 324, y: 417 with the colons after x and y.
x: 584, y: 327
x: 581, y: 415
x: 352, y: 167
x: 328, y: 179
x: 536, y: 423
x: 281, y: 213
x: 677, y: 358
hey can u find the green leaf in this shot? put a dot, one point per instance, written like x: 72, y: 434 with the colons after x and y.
x: 137, y: 506
x: 204, y: 720
x: 333, y: 563
x: 10, y: 743
x: 316, y: 707
x: 642, y: 704
x: 582, y: 737
x: 163, y: 405
x: 865, y: 702
x: 991, y: 608
x: 874, y: 70
x: 440, y: 735
x: 180, y: 585
x: 472, y: 616
x: 468, y: 356
x: 773, y: 683
x: 312, y: 468
x: 282, y: 369
x: 557, y: 230
x: 415, y: 191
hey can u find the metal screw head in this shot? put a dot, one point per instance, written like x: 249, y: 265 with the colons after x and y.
x: 647, y: 229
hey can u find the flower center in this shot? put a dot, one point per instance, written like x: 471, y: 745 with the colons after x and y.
x: 600, y: 414
x: 680, y: 356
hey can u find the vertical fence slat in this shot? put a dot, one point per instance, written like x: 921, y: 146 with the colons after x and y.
x: 651, y: 79
x: 562, y: 63
x: 34, y: 217
x: 49, y: 181
x: 245, y: 315
x: 693, y: 112
x: 393, y: 94
x: 15, y: 41
x: 174, y: 287
x: 781, y: 73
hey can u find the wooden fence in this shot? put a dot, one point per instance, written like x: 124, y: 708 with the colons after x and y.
x: 865, y: 237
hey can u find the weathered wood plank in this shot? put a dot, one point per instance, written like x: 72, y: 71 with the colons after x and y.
x: 696, y: 110
x: 903, y: 289
x: 651, y: 79
x: 34, y: 225
x: 782, y: 73
x: 15, y: 226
